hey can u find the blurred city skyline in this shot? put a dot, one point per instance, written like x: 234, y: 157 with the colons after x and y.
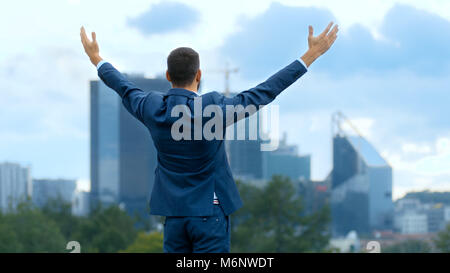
x: 388, y: 72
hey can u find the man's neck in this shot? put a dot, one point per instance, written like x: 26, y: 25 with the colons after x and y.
x: 186, y: 88
x: 189, y: 88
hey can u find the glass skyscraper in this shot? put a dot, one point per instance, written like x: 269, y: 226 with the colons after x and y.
x: 123, y: 157
x: 361, y: 196
x: 245, y: 158
x: 286, y: 161
x: 244, y: 155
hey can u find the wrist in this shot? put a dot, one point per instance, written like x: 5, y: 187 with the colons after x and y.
x: 95, y: 59
x: 309, y: 57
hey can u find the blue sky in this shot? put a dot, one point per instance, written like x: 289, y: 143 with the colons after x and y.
x: 388, y: 72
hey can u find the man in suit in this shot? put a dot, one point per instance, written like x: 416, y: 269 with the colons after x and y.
x: 194, y: 187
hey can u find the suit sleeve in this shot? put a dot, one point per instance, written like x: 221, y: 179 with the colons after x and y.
x: 133, y: 98
x: 265, y: 92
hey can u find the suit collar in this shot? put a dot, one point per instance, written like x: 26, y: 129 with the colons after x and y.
x: 181, y: 92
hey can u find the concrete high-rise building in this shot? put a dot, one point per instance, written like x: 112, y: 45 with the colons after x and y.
x: 412, y: 222
x: 45, y: 190
x: 361, y: 195
x: 447, y: 215
x: 15, y: 185
x: 436, y: 217
x: 414, y: 217
x: 123, y: 156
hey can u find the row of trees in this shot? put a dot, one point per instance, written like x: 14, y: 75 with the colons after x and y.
x: 32, y: 230
x: 273, y: 219
x: 270, y: 221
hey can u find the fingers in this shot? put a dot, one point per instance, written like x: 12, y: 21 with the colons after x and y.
x: 332, y: 36
x: 311, y: 31
x: 84, y: 38
x: 83, y: 33
x: 334, y: 31
x: 327, y: 29
x: 331, y: 40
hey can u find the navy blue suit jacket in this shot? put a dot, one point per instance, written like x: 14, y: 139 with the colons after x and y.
x: 190, y: 171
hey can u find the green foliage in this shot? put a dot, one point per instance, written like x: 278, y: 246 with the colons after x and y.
x: 107, y: 230
x: 271, y: 221
x: 29, y: 230
x: 408, y: 246
x: 8, y: 237
x: 146, y: 243
x: 442, y: 241
x: 61, y: 213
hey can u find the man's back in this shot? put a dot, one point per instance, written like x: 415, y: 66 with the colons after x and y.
x: 188, y: 169
x: 191, y: 169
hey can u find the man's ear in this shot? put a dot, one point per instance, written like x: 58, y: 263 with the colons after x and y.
x: 168, y: 76
x: 199, y: 76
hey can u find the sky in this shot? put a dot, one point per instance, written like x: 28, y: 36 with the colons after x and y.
x: 388, y: 72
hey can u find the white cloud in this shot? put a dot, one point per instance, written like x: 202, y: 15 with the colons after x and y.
x: 429, y: 171
x: 438, y: 163
x: 413, y: 148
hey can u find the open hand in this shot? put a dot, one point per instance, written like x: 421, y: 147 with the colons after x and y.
x: 320, y: 44
x: 90, y: 47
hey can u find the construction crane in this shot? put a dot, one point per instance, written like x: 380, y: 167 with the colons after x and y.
x: 226, y: 72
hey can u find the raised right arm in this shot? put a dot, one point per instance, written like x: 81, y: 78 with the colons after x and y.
x: 133, y: 98
x: 267, y: 91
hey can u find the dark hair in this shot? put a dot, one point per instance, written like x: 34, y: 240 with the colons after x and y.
x: 183, y: 64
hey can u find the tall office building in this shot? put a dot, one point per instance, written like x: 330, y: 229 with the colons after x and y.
x: 361, y: 195
x: 45, y: 190
x: 15, y: 185
x: 286, y: 161
x: 245, y: 159
x: 123, y: 157
x: 244, y: 155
